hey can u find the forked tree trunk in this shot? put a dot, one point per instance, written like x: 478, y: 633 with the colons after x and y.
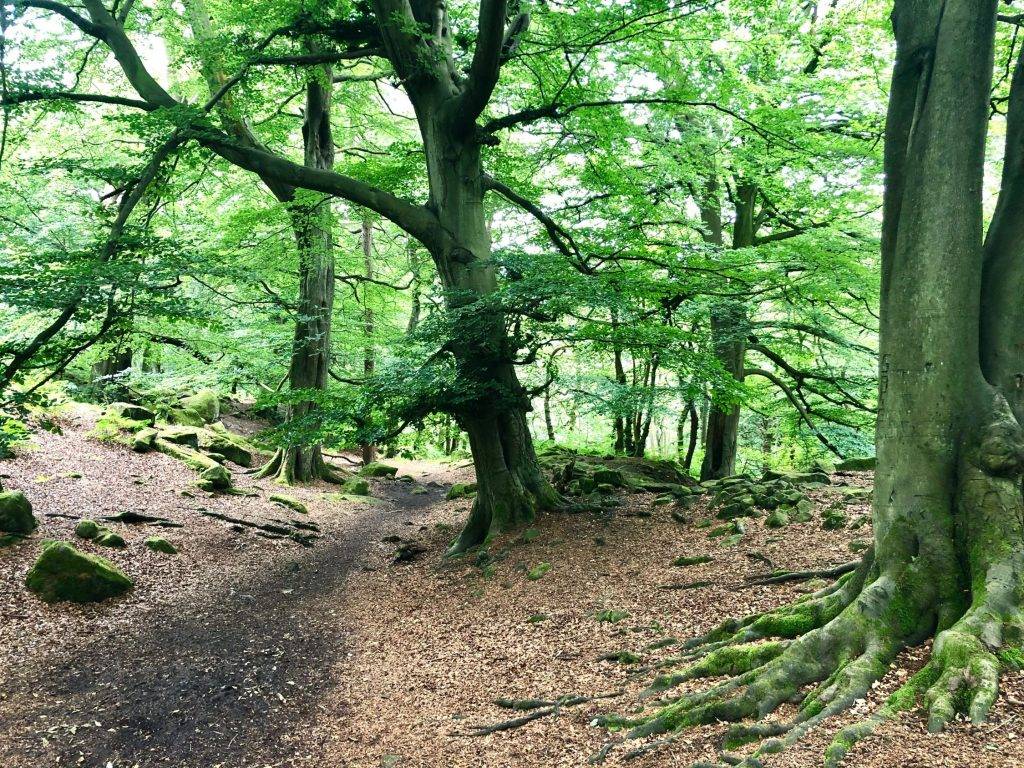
x: 948, y: 555
x: 510, y: 486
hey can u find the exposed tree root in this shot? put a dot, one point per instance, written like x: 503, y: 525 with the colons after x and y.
x: 280, y: 529
x: 824, y: 653
x: 819, y: 573
x: 536, y: 709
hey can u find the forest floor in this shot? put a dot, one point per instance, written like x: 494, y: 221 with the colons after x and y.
x: 246, y: 651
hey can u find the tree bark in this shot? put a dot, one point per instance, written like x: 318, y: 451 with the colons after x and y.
x: 313, y: 225
x: 948, y: 555
x: 369, y: 450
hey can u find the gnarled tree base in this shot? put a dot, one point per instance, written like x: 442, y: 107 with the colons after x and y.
x: 298, y: 465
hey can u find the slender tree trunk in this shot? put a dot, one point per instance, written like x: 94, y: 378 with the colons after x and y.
x: 729, y: 331
x: 369, y: 450
x: 415, y: 287
x: 313, y: 224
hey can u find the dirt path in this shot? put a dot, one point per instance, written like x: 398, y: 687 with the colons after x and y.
x: 246, y: 652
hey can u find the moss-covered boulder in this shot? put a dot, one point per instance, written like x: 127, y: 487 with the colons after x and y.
x: 461, y: 491
x: 357, y: 486
x: 16, y: 513
x: 132, y: 412
x: 612, y: 477
x: 376, y: 469
x: 833, y: 519
x: 217, y: 439
x: 777, y: 519
x: 215, y: 478
x: 289, y: 502
x: 107, y: 538
x: 143, y: 440
x: 158, y: 544
x: 861, y: 464
x: 181, y: 435
x: 87, y: 529
x: 185, y: 417
x: 64, y: 573
x: 115, y: 428
x: 205, y: 403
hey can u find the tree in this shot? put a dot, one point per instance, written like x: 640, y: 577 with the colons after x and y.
x: 947, y: 560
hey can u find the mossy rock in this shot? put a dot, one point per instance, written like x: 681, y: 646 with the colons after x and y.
x: 605, y: 489
x: 833, y: 520
x: 64, y: 573
x: 376, y: 469
x: 538, y: 571
x: 852, y: 492
x: 185, y: 417
x: 143, y: 440
x: 10, y: 539
x: 87, y: 529
x: 132, y: 412
x: 799, y: 514
x: 777, y: 519
x: 664, y: 499
x: 611, y: 616
x: 215, y: 478
x: 419, y: 490
x: 357, y: 486
x: 217, y: 439
x: 612, y: 477
x: 205, y: 403
x: 16, y: 513
x: 861, y: 464
x: 181, y: 435
x: 461, y: 491
x: 107, y: 538
x: 161, y: 545
x: 289, y: 502
x: 112, y: 428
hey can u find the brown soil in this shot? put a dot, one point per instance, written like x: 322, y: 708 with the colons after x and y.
x: 245, y: 651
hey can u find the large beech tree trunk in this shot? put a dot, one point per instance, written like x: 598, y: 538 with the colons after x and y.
x: 510, y: 486
x: 948, y: 555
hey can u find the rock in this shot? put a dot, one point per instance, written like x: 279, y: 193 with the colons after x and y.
x: 833, y: 520
x: 852, y: 492
x: 215, y: 478
x: 217, y: 439
x: 107, y: 538
x: 857, y: 546
x: 777, y: 519
x: 376, y: 469
x: 87, y: 529
x: 799, y: 514
x: 291, y: 503
x: 181, y: 435
x: 538, y: 571
x: 16, y: 513
x: 132, y: 412
x: 205, y: 403
x: 862, y: 464
x: 64, y: 573
x: 419, y: 490
x: 185, y: 417
x: 357, y: 486
x: 612, y: 477
x: 143, y: 440
x: 664, y: 499
x: 158, y: 544
x: 605, y: 489
x: 461, y: 491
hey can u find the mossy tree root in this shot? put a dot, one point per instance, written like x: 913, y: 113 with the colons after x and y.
x: 289, y: 466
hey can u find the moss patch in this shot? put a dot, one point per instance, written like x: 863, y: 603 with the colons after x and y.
x: 64, y: 573
x: 158, y: 544
x: 291, y: 503
x: 16, y: 513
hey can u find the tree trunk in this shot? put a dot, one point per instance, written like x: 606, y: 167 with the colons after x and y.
x: 313, y: 224
x: 510, y: 487
x: 729, y: 331
x: 369, y: 450
x: 948, y: 555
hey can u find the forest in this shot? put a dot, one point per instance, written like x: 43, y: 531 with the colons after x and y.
x: 533, y: 383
